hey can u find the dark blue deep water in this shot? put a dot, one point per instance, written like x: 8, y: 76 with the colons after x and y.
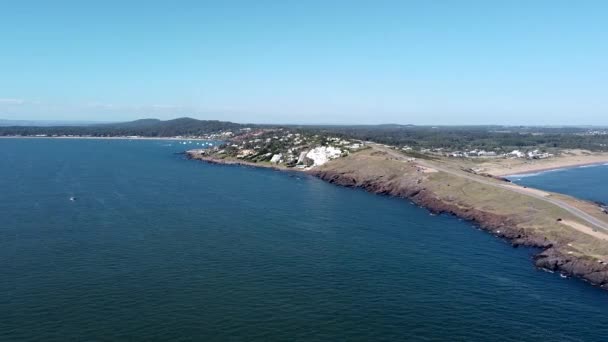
x: 160, y: 248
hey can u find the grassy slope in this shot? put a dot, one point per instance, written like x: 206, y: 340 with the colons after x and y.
x: 536, y: 217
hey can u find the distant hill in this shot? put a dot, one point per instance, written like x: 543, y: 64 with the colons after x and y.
x: 135, y: 124
x: 144, y: 127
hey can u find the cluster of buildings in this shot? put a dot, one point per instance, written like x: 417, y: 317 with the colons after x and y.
x: 473, y: 153
x: 282, y: 146
x: 319, y: 155
x: 596, y: 132
x: 535, y: 154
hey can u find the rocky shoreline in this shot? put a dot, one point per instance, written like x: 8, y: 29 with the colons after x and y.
x: 211, y: 160
x: 551, y: 257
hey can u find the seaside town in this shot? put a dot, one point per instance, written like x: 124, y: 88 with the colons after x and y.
x: 303, y: 149
x: 281, y: 147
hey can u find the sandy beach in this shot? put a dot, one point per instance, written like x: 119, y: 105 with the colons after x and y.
x: 574, y: 158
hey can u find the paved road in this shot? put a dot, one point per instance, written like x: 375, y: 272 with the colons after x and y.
x: 507, y: 186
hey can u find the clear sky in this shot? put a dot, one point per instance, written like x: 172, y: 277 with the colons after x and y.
x: 306, y: 61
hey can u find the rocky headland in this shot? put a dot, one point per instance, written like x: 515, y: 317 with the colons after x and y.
x: 520, y: 219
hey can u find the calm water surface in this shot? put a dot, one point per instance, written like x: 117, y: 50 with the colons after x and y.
x: 589, y: 182
x: 160, y: 248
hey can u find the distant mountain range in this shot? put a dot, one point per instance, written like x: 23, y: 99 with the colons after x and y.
x: 144, y: 127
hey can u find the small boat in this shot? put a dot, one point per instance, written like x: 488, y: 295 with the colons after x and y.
x: 72, y: 198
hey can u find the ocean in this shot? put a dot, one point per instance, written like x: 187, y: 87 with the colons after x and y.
x: 157, y: 247
x: 589, y: 182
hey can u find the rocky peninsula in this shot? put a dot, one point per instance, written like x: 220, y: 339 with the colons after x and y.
x: 522, y: 220
x: 571, y: 234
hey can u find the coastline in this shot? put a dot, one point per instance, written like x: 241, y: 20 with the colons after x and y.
x: 236, y: 162
x: 511, y: 167
x: 549, y: 258
x: 110, y: 138
x: 555, y: 252
x: 534, y: 171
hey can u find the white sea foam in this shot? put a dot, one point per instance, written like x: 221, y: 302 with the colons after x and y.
x: 586, y: 166
x: 532, y: 174
x: 519, y: 176
x: 523, y: 175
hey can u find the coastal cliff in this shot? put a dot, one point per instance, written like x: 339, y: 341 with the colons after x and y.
x: 522, y: 221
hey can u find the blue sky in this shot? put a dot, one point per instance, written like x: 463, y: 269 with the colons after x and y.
x: 421, y: 62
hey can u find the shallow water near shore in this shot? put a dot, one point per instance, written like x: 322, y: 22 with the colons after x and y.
x: 156, y: 247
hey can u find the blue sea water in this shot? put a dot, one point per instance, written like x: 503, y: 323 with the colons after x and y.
x: 589, y: 182
x: 157, y: 247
